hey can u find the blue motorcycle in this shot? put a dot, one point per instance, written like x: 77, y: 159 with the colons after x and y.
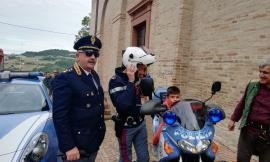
x: 188, y: 128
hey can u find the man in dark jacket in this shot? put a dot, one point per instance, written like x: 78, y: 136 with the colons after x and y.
x: 254, y: 108
x: 126, y: 96
x: 78, y: 109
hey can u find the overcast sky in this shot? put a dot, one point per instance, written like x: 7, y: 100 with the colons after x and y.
x: 62, y: 16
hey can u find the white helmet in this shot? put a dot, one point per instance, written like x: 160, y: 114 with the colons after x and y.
x: 137, y: 55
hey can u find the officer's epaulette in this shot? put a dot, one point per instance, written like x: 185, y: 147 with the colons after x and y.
x: 68, y: 70
x: 77, y: 69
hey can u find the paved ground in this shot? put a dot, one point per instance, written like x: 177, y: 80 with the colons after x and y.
x: 109, y: 149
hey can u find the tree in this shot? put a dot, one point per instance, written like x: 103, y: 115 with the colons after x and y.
x: 84, y: 31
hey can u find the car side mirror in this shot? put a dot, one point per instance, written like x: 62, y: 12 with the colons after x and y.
x: 147, y: 86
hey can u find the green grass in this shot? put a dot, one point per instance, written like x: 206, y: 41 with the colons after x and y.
x: 38, y: 63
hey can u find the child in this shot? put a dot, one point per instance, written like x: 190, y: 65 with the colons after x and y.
x: 173, y: 96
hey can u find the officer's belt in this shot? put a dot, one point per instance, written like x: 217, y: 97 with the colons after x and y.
x: 258, y: 126
x: 116, y: 89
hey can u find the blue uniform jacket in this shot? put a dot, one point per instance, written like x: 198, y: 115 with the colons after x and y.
x: 123, y: 94
x: 78, y: 111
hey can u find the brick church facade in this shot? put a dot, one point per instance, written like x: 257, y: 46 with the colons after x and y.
x: 195, y: 43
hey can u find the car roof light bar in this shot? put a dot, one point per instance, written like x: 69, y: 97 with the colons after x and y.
x: 7, y: 75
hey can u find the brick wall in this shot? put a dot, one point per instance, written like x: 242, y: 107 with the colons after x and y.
x: 229, y: 39
x: 196, y: 43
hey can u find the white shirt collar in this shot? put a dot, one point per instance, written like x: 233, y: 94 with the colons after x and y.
x: 86, y: 72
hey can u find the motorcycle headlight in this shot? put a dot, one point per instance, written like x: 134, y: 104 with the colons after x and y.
x: 189, y: 147
x: 169, y: 117
x: 36, y: 148
x: 215, y: 115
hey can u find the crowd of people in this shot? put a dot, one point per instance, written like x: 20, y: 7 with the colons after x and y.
x: 78, y: 107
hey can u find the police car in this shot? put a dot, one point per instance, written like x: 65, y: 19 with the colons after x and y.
x: 26, y: 128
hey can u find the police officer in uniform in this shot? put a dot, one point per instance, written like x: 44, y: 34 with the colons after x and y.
x: 126, y: 96
x: 78, y: 108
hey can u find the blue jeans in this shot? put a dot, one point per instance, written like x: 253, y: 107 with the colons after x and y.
x: 138, y: 137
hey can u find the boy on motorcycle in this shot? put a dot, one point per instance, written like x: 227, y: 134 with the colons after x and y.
x: 173, y: 96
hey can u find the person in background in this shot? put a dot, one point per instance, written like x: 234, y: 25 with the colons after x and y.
x: 254, y: 109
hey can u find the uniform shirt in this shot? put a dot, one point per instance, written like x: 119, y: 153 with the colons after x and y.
x: 123, y: 94
x: 89, y: 73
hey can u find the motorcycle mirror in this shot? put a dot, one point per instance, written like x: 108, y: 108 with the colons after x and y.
x: 216, y: 86
x: 152, y: 107
x: 147, y: 86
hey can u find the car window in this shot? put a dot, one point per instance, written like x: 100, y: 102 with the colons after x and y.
x: 16, y: 98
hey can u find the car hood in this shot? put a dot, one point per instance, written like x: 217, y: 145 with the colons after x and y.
x: 16, y: 129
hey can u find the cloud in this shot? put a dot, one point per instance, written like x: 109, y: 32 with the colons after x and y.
x: 55, y: 15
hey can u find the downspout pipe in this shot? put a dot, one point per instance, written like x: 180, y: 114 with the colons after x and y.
x: 96, y: 19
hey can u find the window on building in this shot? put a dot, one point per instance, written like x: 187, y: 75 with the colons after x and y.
x: 140, y: 34
x: 140, y: 23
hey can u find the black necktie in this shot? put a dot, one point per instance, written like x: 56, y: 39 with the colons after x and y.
x: 92, y: 80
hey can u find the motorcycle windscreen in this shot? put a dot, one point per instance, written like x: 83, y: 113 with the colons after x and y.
x: 188, y: 117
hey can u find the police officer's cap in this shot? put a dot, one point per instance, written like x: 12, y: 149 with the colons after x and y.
x: 88, y: 43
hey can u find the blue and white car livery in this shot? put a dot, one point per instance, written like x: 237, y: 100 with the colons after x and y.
x: 26, y: 129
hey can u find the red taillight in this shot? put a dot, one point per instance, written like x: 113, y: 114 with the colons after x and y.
x: 196, y: 107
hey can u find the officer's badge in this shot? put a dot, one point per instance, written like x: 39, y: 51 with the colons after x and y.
x: 77, y: 69
x: 93, y: 40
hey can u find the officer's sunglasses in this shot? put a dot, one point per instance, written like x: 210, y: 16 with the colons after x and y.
x: 90, y: 53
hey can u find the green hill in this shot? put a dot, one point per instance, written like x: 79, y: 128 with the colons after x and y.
x: 46, y: 61
x: 50, y: 52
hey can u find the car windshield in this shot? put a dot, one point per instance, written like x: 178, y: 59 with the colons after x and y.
x: 19, y: 98
x: 191, y: 114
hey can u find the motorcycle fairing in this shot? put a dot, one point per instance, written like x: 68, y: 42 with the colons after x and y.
x: 162, y: 155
